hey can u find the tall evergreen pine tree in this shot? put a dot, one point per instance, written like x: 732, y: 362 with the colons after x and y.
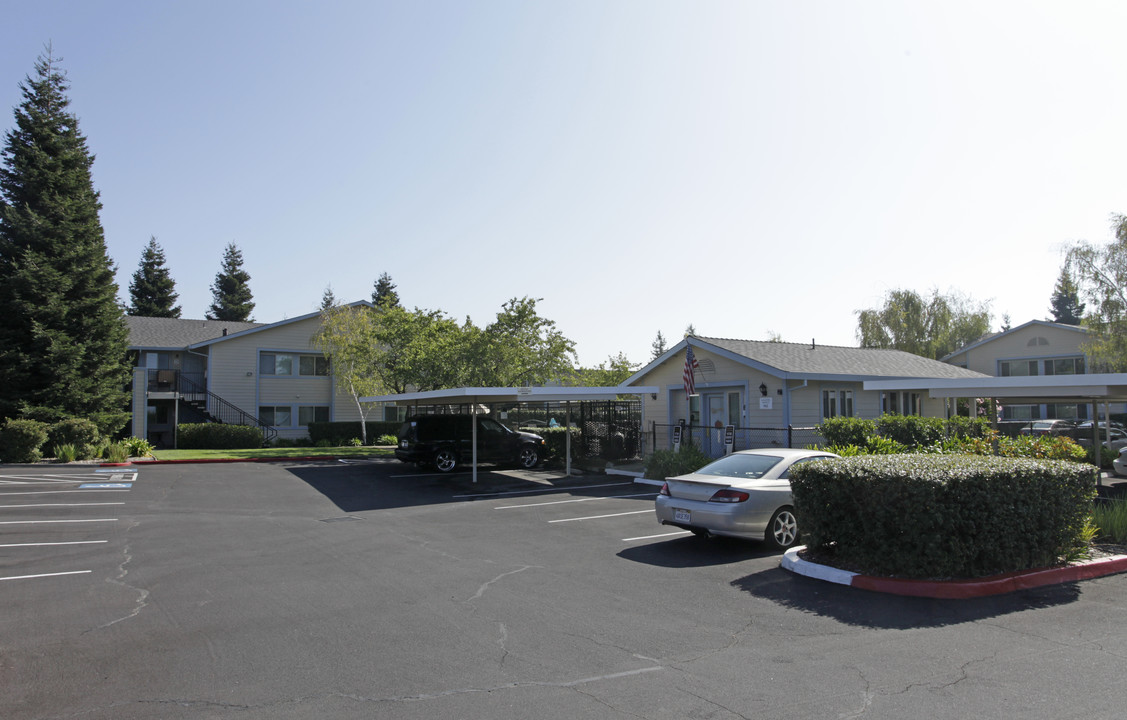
x: 63, y: 337
x: 152, y: 291
x: 231, y: 298
x: 1065, y: 303
x: 328, y: 299
x: 383, y: 292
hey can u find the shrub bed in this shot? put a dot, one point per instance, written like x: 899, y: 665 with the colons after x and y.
x: 943, y: 516
x: 79, y: 433
x: 664, y: 464
x: 336, y: 434
x: 905, y: 431
x: 217, y: 436
x: 21, y: 440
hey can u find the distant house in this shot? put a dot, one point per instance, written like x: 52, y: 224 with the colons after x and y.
x: 1037, y: 348
x: 267, y: 374
x: 769, y: 388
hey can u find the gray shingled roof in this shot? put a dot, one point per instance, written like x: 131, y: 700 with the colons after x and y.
x: 811, y: 359
x: 151, y: 333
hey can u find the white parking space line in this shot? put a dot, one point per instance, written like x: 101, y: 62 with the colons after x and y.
x: 33, y: 505
x: 45, y: 544
x: 599, y: 517
x: 46, y: 575
x: 574, y: 500
x: 654, y: 537
x: 46, y: 522
x: 544, y: 490
x: 18, y: 493
x: 59, y: 492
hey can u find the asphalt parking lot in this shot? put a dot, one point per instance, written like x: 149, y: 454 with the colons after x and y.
x: 372, y: 590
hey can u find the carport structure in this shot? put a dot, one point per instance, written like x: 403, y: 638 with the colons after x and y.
x: 1093, y: 390
x: 475, y: 396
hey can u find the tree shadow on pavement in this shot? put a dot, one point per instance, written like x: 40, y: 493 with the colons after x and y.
x: 865, y: 608
x: 690, y: 551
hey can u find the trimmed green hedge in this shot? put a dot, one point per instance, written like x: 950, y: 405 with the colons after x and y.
x: 336, y: 434
x: 664, y: 464
x: 20, y: 441
x: 909, y: 431
x: 217, y: 436
x: 80, y: 433
x: 940, y: 516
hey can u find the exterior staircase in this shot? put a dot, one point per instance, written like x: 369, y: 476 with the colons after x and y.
x: 202, y: 405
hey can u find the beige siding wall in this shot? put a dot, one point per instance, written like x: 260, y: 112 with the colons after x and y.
x: 234, y: 375
x: 1016, y: 346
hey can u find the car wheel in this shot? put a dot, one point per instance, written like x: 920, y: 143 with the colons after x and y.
x: 528, y: 458
x: 782, y: 531
x: 445, y: 460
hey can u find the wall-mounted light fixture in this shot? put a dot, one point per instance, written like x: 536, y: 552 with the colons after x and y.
x: 763, y: 389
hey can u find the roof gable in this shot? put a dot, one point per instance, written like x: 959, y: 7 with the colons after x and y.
x: 176, y: 334
x: 271, y: 326
x: 798, y: 360
x: 991, y: 337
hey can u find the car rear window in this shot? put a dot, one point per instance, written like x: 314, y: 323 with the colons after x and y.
x: 748, y: 467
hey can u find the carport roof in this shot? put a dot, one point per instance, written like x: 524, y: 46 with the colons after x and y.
x: 508, y: 394
x: 1110, y: 387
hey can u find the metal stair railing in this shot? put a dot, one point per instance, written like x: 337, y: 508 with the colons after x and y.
x: 222, y: 411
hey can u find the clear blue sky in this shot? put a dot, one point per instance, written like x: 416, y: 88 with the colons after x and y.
x: 751, y: 168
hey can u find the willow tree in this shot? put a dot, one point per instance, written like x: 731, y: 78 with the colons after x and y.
x: 931, y: 327
x: 1100, y: 272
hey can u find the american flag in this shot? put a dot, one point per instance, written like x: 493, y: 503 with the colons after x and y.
x: 691, y: 365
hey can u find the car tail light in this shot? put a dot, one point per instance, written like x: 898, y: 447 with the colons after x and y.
x: 664, y: 490
x: 727, y: 495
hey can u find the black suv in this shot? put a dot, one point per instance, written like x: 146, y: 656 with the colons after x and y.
x: 446, y: 440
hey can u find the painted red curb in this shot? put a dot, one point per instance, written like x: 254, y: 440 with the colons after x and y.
x: 124, y: 464
x: 206, y: 461
x: 996, y: 585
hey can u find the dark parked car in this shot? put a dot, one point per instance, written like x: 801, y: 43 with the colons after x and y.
x: 445, y: 441
x: 1049, y: 427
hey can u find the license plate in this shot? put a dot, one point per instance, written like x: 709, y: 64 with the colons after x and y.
x: 681, y: 516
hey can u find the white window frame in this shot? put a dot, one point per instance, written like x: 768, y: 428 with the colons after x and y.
x: 312, y: 410
x: 274, y: 411
x: 837, y: 402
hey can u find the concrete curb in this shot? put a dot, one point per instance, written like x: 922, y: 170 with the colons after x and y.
x: 957, y: 589
x: 206, y: 461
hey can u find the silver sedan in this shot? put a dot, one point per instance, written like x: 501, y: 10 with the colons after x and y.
x: 1119, y: 465
x: 743, y: 495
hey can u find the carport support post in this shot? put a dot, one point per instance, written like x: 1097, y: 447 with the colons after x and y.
x: 567, y: 438
x: 473, y: 436
x: 1097, y: 446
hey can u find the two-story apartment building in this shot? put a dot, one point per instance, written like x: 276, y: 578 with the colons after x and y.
x: 1037, y: 348
x: 267, y: 374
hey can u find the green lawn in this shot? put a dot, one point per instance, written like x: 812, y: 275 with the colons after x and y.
x: 282, y: 453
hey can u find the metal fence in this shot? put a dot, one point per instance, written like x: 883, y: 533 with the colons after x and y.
x: 609, y: 429
x: 711, y: 440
